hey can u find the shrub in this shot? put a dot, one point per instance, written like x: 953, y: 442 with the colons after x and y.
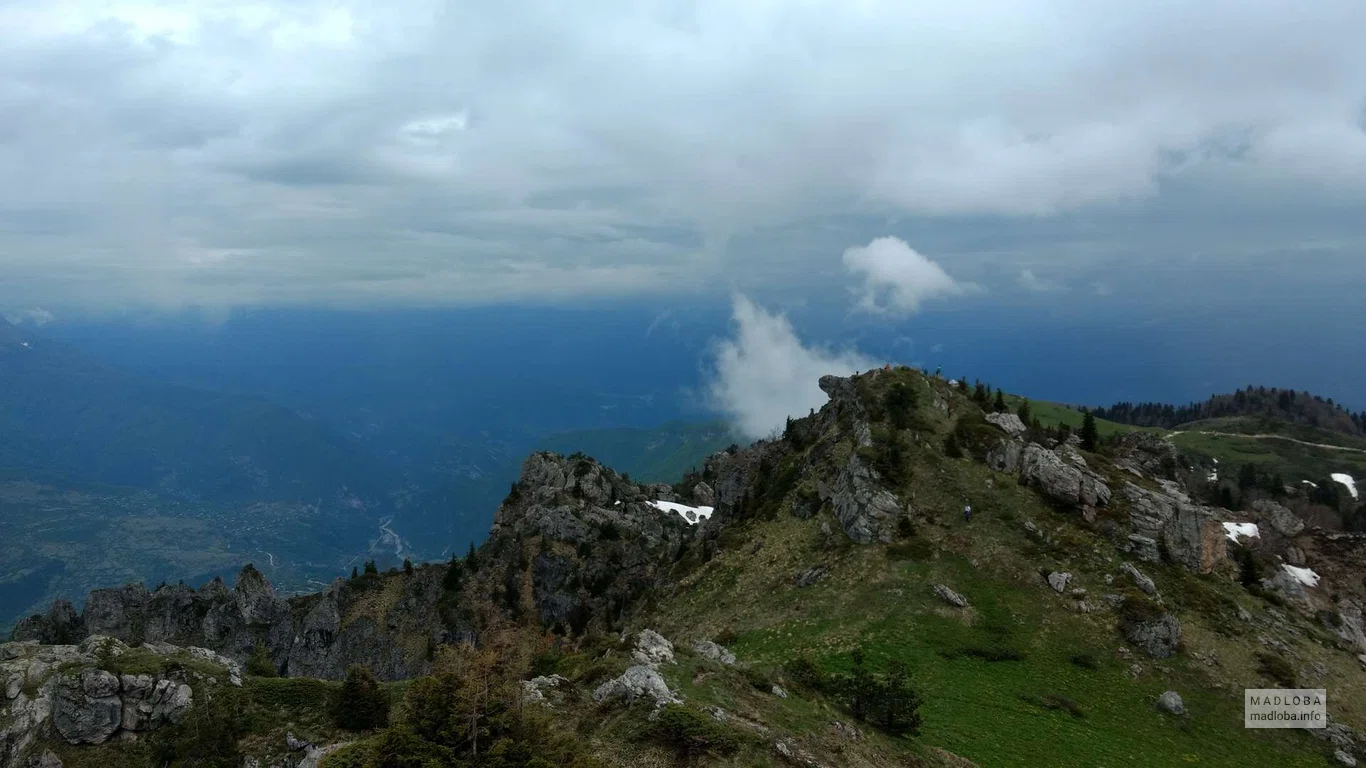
x: 1275, y: 667
x: 208, y: 736
x: 691, y: 733
x: 1056, y: 702
x: 804, y: 672
x: 1085, y: 660
x: 758, y: 679
x: 260, y: 664
x: 362, y: 704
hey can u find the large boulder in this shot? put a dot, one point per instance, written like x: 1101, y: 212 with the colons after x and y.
x: 86, y: 707
x: 1146, y: 454
x: 710, y: 650
x: 1193, y: 534
x: 1060, y: 481
x: 1170, y: 702
x: 864, y: 508
x: 653, y: 649
x: 638, y: 682
x: 1277, y: 518
x: 1156, y: 637
x: 1009, y: 423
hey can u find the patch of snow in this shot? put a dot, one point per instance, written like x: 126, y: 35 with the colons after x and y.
x: 1213, y: 475
x: 1346, y: 480
x: 1305, y: 576
x: 691, y: 514
x: 616, y: 503
x: 1310, y: 484
x: 1216, y: 461
x: 1234, y: 530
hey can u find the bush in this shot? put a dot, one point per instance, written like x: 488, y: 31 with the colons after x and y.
x: 260, y: 664
x: 362, y: 704
x: 691, y: 733
x: 804, y: 672
x: 991, y: 653
x: 1275, y: 667
x: 1085, y: 660
x: 208, y: 736
x: 1055, y: 702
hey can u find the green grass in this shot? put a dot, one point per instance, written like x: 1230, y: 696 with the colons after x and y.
x: 999, y: 680
x: 1055, y: 414
x: 1292, y: 461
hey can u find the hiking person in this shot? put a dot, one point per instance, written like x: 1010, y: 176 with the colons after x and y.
x: 967, y: 513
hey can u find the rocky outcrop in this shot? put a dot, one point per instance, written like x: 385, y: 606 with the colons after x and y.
x: 1058, y: 581
x: 65, y: 688
x: 1192, y: 534
x: 1146, y: 454
x: 317, y: 635
x: 1273, y: 516
x: 1156, y: 637
x: 949, y: 596
x: 1170, y: 702
x: 585, y: 539
x: 1141, y: 580
x: 643, y: 680
x: 1060, y: 481
x: 709, y: 650
x: 652, y: 649
x: 638, y: 682
x: 1009, y: 423
x: 1066, y: 481
x: 865, y: 509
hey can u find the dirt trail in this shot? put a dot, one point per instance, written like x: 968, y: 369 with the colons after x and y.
x: 1270, y: 437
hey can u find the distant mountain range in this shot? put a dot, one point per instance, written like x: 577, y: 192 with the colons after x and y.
x: 109, y: 476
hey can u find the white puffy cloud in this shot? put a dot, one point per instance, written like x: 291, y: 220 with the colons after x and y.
x: 323, y: 150
x: 896, y: 277
x: 764, y: 373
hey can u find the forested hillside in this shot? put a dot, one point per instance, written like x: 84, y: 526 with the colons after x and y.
x: 1287, y: 404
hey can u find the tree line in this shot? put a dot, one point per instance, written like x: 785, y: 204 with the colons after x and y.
x: 1287, y: 404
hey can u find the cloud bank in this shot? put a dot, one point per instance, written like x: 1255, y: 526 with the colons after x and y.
x: 765, y: 373
x: 424, y: 151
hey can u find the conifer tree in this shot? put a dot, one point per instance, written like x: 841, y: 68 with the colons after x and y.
x: 1090, y: 436
x: 1000, y: 405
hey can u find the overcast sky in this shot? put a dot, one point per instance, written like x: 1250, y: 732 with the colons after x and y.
x: 409, y: 151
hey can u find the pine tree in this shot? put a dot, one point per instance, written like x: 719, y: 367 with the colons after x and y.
x: 1090, y: 436
x: 371, y: 569
x: 361, y: 705
x: 900, y: 704
x: 354, y: 573
x: 408, y: 566
x: 472, y: 559
x: 260, y: 664
x: 455, y: 572
x: 1023, y: 412
x: 1000, y: 404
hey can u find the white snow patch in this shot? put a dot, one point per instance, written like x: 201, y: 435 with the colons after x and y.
x: 690, y: 514
x: 1346, y: 480
x: 1305, y: 576
x: 1234, y: 530
x: 1310, y: 484
x: 1213, y: 475
x: 1216, y: 461
x: 616, y: 503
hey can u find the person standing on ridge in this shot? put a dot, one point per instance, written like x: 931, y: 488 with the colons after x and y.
x: 967, y: 513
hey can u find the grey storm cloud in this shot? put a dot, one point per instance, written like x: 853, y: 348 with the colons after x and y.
x: 433, y: 152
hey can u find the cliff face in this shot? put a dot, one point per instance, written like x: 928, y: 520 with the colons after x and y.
x: 386, y: 624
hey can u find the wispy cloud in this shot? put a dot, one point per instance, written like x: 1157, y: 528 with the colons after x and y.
x: 764, y: 373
